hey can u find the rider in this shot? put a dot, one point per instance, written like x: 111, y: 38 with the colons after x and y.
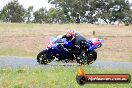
x: 70, y: 36
x: 76, y: 40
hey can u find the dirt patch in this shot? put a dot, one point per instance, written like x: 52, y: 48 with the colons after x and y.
x: 116, y: 48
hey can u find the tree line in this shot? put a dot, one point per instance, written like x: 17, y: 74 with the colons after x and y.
x: 67, y: 11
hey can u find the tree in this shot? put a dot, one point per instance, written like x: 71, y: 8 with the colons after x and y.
x: 0, y: 15
x: 13, y: 12
x: 29, y: 14
x: 56, y: 16
x: 128, y: 17
x: 40, y: 16
x: 67, y: 6
x: 112, y: 10
x: 72, y: 8
x: 91, y: 10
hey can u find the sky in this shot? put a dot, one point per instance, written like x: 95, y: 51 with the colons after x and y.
x: 36, y: 3
x: 26, y: 3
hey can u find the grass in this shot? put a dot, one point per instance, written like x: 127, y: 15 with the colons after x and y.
x: 55, y: 77
x: 16, y: 52
x: 30, y: 39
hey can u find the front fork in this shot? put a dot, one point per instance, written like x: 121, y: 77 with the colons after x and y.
x: 83, y: 58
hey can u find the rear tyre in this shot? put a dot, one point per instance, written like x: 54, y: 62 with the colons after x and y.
x: 42, y: 57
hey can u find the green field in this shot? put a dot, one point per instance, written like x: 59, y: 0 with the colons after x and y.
x: 54, y: 77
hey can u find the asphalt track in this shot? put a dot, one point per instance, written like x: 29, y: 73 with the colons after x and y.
x: 13, y: 61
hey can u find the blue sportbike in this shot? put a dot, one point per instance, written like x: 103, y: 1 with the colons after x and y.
x: 60, y: 49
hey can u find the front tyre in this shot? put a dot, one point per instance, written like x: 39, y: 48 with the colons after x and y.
x: 91, y: 57
x: 42, y: 57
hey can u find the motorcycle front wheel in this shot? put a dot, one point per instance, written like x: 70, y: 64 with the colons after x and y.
x: 91, y: 57
x: 42, y: 57
x: 87, y: 57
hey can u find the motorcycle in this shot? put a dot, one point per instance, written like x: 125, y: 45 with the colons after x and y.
x: 84, y: 53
